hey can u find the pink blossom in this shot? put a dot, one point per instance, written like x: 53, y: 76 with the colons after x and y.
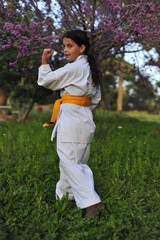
x: 12, y: 64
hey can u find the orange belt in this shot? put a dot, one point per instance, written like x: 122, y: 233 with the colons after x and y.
x: 79, y: 100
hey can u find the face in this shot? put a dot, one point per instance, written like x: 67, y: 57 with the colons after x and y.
x: 72, y: 50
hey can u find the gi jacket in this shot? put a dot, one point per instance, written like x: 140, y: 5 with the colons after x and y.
x: 74, y: 122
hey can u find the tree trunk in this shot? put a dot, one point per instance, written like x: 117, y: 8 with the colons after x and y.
x: 25, y: 115
x: 120, y: 86
x: 3, y: 97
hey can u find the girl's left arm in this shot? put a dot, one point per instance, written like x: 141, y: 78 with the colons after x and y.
x: 96, y: 98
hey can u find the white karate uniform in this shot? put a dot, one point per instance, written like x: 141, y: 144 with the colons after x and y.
x: 74, y: 129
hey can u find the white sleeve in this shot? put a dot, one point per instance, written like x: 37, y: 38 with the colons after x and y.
x: 95, y: 99
x: 53, y: 80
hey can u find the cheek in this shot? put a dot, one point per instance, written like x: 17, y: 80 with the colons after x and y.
x: 77, y: 52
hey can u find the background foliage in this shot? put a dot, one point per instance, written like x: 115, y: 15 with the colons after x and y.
x: 26, y: 27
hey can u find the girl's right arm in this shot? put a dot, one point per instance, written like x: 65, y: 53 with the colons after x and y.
x: 54, y: 80
x: 48, y: 78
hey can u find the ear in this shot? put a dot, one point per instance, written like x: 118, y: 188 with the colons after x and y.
x: 82, y: 48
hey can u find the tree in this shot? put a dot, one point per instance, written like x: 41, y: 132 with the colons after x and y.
x: 140, y: 96
x: 118, y: 72
x: 7, y: 72
x: 112, y: 25
x: 120, y: 86
x: 29, y: 26
x: 23, y: 38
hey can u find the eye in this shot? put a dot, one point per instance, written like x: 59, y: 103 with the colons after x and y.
x: 69, y: 45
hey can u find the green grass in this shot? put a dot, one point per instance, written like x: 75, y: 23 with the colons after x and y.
x: 143, y: 115
x: 124, y: 157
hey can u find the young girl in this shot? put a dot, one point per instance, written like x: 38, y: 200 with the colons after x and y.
x: 78, y: 82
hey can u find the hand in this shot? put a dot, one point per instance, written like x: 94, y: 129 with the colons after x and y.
x: 47, y: 53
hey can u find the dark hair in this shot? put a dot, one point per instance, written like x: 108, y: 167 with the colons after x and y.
x: 80, y: 37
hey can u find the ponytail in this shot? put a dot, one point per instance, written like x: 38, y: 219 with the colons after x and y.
x: 95, y: 71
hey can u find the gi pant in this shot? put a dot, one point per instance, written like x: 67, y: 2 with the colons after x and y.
x: 76, y: 178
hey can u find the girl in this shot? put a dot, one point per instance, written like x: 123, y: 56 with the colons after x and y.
x: 78, y: 82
